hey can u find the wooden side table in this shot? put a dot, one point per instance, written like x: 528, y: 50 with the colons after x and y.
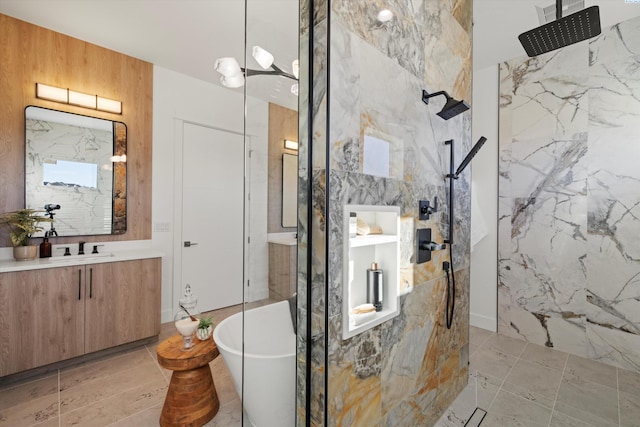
x: 191, y: 399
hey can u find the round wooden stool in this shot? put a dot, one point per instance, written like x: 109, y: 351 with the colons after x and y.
x: 191, y: 398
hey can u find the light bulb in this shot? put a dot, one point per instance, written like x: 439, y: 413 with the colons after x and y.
x: 264, y: 58
x: 295, y: 66
x: 228, y: 67
x: 385, y: 15
x: 232, y: 81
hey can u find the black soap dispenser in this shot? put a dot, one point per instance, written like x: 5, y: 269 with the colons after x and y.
x: 45, y: 248
x: 374, y: 286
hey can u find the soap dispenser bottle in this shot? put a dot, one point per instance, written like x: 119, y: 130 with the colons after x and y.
x: 374, y: 286
x: 45, y: 248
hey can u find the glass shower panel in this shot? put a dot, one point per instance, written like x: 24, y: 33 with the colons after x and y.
x: 271, y: 118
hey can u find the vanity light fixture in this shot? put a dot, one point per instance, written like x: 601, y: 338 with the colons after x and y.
x: 233, y: 75
x: 109, y: 105
x: 82, y: 99
x: 290, y: 145
x: 68, y: 96
x: 52, y: 93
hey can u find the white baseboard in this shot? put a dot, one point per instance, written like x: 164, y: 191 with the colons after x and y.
x: 483, y: 322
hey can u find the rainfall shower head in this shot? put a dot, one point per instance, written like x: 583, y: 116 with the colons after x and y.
x: 451, y: 108
x: 562, y: 32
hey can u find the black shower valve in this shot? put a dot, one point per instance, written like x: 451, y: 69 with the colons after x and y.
x: 425, y: 209
x: 424, y: 245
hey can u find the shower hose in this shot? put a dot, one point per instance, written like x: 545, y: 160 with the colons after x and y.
x: 451, y: 288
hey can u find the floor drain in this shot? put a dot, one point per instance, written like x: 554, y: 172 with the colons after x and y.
x: 476, y: 418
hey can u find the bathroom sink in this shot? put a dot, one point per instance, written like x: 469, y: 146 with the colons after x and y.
x: 74, y: 258
x: 288, y: 239
x: 286, y: 242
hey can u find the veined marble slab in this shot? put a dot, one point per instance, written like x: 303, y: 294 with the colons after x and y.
x: 569, y: 269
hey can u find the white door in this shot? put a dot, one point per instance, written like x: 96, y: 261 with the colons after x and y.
x: 212, y: 215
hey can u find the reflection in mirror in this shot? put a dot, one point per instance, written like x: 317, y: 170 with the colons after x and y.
x: 79, y: 163
x: 289, y: 190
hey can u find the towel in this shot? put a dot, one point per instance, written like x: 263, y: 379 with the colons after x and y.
x: 364, y: 229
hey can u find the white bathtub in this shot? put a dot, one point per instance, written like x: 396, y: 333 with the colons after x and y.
x: 269, y: 362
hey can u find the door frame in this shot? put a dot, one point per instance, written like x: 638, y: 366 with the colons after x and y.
x: 178, y: 146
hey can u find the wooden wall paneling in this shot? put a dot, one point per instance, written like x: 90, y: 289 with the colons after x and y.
x: 30, y: 54
x: 283, y: 124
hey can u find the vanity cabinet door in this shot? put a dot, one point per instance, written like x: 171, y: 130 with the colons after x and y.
x: 41, y: 317
x: 122, y: 302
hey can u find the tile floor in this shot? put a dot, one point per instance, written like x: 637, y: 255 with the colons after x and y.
x: 518, y: 384
x: 123, y: 390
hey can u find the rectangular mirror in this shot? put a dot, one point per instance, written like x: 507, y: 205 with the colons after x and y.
x: 289, y: 190
x: 79, y: 163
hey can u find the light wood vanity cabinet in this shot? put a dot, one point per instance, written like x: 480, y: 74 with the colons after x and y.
x: 53, y: 314
x: 123, y: 303
x: 41, y: 318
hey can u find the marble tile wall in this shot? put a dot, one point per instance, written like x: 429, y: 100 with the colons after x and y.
x: 569, y: 257
x: 367, y: 80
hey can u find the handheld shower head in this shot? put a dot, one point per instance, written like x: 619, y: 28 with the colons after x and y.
x: 451, y: 108
x: 467, y: 159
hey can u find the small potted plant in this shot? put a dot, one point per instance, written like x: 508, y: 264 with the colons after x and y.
x: 205, y: 328
x: 22, y: 224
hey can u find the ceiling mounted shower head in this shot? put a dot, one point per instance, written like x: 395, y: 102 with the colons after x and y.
x: 451, y: 108
x: 562, y: 32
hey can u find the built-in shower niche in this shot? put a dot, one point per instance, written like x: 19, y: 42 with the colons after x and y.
x: 380, y: 245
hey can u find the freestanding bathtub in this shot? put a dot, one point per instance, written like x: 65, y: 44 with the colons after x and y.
x: 269, y: 362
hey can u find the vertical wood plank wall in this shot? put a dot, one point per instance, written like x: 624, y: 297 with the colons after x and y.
x: 283, y: 124
x: 30, y: 54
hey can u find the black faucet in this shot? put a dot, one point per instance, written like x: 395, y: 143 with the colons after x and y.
x: 81, y: 248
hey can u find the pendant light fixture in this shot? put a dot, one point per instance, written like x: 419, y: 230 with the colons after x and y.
x: 233, y: 75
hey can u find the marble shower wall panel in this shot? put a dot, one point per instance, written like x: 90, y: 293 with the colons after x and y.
x: 400, y: 39
x: 364, y: 110
x: 303, y: 341
x: 544, y: 202
x: 405, y: 371
x: 619, y: 41
x: 569, y: 257
x: 312, y: 263
x: 613, y: 285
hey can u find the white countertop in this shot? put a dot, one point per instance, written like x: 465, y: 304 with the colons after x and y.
x: 288, y: 239
x: 65, y: 261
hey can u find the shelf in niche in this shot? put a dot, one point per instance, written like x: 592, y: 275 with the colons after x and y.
x: 359, y: 253
x: 372, y: 239
x: 378, y: 318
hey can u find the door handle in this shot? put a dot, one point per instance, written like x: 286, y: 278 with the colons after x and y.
x: 188, y: 244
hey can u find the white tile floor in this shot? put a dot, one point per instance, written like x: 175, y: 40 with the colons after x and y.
x: 518, y: 384
x: 521, y: 384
